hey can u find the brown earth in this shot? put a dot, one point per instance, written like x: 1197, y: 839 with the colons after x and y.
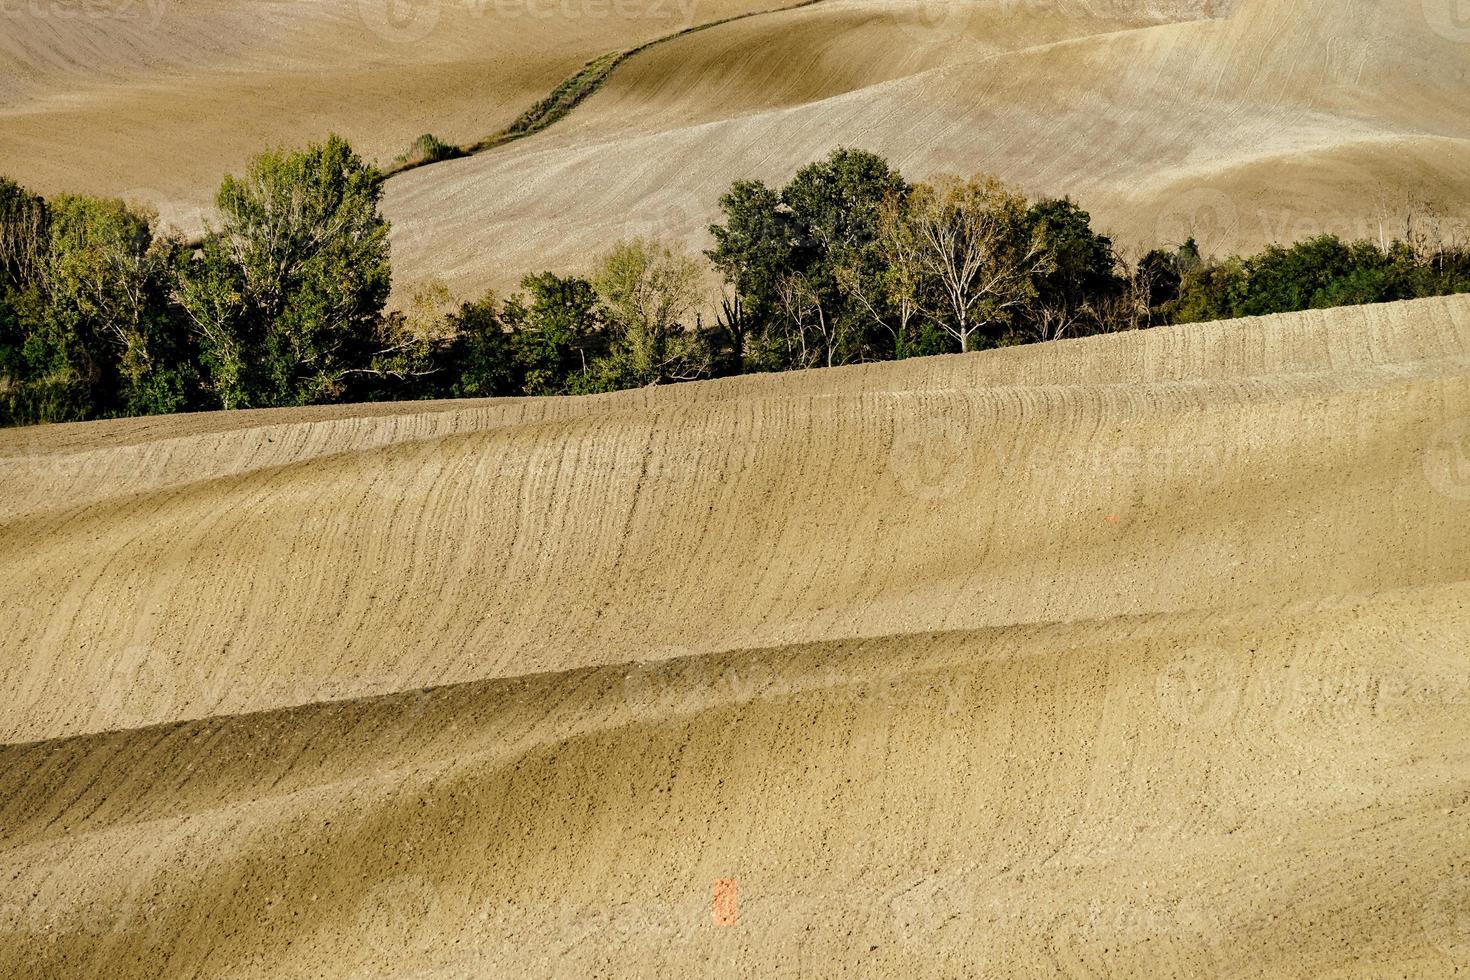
x: 155, y: 100
x: 1241, y: 123
x: 1137, y: 655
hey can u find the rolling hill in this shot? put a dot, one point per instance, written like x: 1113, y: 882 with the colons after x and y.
x: 1241, y: 122
x: 1244, y: 124
x: 1137, y: 655
x: 155, y: 100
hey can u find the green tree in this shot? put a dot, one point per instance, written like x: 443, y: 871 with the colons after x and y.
x: 559, y: 332
x: 24, y: 242
x: 412, y: 352
x: 1159, y: 278
x: 483, y: 362
x: 651, y: 292
x: 1076, y: 274
x: 1316, y: 273
x: 753, y: 249
x: 24, y: 235
x: 1208, y: 290
x: 804, y: 264
x: 830, y: 294
x: 287, y: 293
x: 976, y: 253
x: 893, y: 289
x: 108, y: 281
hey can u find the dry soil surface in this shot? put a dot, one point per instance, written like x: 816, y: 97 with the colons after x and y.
x: 1142, y: 655
x: 155, y: 100
x: 1241, y: 122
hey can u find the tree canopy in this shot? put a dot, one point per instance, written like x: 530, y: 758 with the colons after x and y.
x: 283, y: 301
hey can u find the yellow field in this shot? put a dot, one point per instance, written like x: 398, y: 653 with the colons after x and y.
x: 1241, y: 122
x: 1138, y: 655
x: 155, y: 100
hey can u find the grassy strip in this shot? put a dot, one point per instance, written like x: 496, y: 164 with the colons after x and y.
x: 562, y: 100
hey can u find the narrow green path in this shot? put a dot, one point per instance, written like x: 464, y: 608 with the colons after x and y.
x: 562, y: 100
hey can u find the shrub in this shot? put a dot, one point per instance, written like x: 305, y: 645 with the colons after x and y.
x: 428, y: 148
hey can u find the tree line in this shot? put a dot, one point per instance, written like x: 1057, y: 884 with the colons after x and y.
x: 283, y: 301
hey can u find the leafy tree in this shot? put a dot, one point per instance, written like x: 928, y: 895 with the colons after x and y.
x: 810, y: 329
x: 890, y: 285
x: 24, y: 234
x: 836, y: 204
x: 558, y: 330
x: 804, y: 264
x: 651, y: 291
x: 976, y: 251
x: 830, y: 294
x: 24, y: 241
x: 1210, y: 291
x: 108, y: 281
x: 1076, y: 273
x: 484, y: 362
x: 287, y: 293
x: 1318, y: 272
x: 86, y: 327
x: 1158, y: 273
x: 412, y: 352
x: 212, y: 291
x: 753, y: 249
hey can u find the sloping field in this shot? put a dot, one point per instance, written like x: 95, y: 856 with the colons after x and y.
x: 1241, y: 123
x: 155, y: 100
x: 1137, y: 655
